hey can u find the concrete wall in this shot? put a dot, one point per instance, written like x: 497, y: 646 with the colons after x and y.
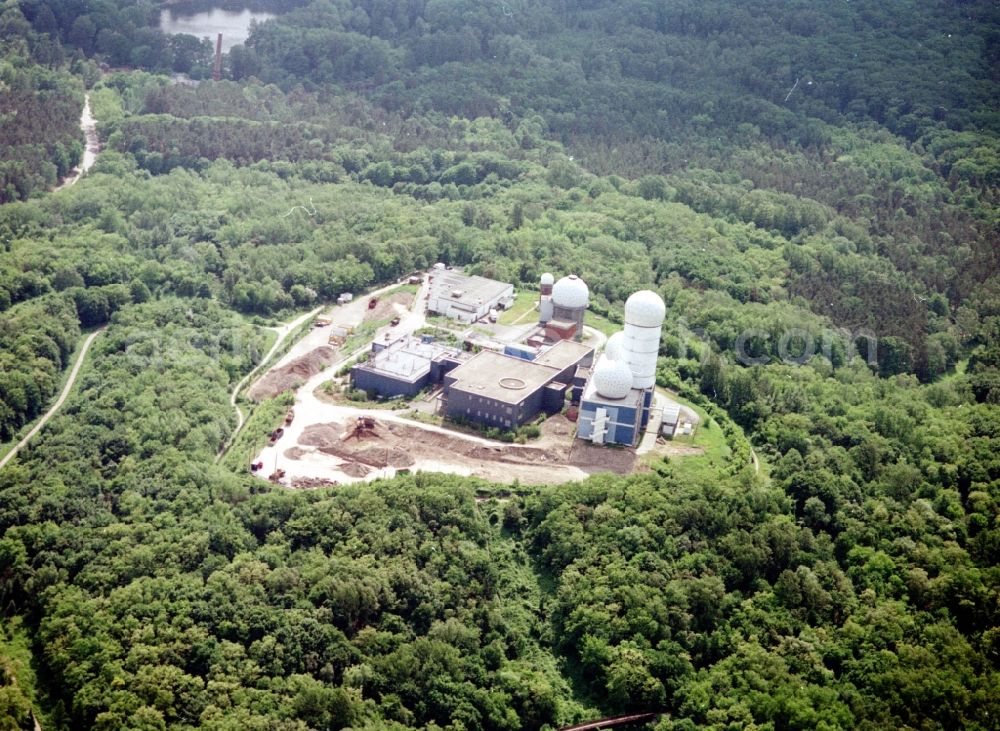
x: 553, y: 398
x: 622, y: 428
x: 486, y: 411
x: 385, y: 386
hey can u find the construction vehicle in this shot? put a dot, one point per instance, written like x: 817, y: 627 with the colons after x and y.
x: 394, y: 321
x: 364, y: 426
x: 289, y: 417
x: 276, y: 435
x: 373, y: 303
x: 276, y: 475
x: 322, y: 321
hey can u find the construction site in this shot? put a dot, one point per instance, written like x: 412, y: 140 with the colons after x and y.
x: 457, y: 404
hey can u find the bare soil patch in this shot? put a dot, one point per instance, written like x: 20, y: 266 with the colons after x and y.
x: 591, y: 458
x: 321, y: 435
x: 385, y: 309
x: 293, y: 374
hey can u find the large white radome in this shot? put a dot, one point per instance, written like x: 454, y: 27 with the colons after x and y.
x: 547, y: 278
x: 571, y: 292
x: 613, y: 379
x: 614, y: 349
x: 645, y: 309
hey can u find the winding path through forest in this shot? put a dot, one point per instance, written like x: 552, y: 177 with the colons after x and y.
x: 283, y: 332
x: 59, y: 402
x: 89, y: 126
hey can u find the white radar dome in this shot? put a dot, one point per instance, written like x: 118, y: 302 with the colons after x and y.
x: 613, y: 379
x: 614, y: 349
x: 571, y: 292
x: 547, y: 278
x: 645, y: 309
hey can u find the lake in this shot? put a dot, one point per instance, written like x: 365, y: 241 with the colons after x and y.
x: 234, y: 25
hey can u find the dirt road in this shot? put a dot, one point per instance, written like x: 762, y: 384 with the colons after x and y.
x: 59, y: 402
x: 89, y: 126
x: 283, y: 332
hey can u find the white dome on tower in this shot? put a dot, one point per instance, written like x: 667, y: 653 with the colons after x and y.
x: 571, y: 292
x: 613, y: 378
x: 547, y: 278
x: 614, y: 349
x: 645, y: 309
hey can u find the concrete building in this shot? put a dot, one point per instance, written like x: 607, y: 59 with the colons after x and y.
x: 611, y: 411
x: 545, y: 298
x: 507, y: 391
x: 566, y: 356
x: 466, y: 298
x: 668, y: 422
x: 615, y: 403
x: 405, y: 367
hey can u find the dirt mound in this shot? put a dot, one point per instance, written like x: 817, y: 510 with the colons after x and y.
x: 293, y: 374
x: 294, y: 453
x: 383, y: 457
x: 321, y: 435
x: 386, y: 309
x: 354, y: 469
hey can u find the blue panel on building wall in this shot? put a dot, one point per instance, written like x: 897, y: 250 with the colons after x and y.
x: 522, y: 353
x: 624, y: 434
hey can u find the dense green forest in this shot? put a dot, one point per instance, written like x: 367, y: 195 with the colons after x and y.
x: 813, y: 190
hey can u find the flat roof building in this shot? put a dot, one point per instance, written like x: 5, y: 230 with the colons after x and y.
x: 466, y: 298
x: 506, y: 391
x: 404, y: 367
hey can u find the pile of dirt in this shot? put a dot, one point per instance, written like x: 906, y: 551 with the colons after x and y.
x: 294, y: 453
x: 321, y: 435
x: 293, y: 374
x: 384, y: 457
x: 355, y: 469
x: 385, y: 309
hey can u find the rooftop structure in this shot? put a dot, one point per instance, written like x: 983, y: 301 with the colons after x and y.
x: 500, y: 377
x: 615, y: 403
x: 506, y: 391
x: 561, y: 307
x: 466, y: 298
x: 404, y: 367
x: 566, y: 354
x: 644, y: 314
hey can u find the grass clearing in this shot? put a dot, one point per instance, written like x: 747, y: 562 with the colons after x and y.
x: 524, y: 302
x: 600, y: 323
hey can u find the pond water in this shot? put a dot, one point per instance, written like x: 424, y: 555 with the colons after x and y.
x: 234, y: 25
